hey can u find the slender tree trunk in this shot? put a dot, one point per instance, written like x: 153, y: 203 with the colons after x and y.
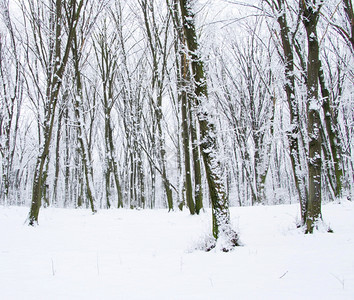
x: 349, y: 12
x: 294, y: 132
x: 67, y: 185
x: 186, y: 146
x: 53, y: 89
x: 11, y: 94
x: 82, y: 135
x: 57, y: 159
x: 37, y: 190
x: 198, y: 190
x: 113, y: 164
x: 332, y: 132
x: 159, y: 55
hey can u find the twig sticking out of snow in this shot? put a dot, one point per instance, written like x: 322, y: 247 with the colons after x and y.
x: 341, y: 281
x: 283, y: 275
x: 97, y: 265
x: 53, y: 270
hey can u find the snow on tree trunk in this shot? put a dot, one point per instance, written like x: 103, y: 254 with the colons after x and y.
x: 226, y: 238
x: 310, y: 15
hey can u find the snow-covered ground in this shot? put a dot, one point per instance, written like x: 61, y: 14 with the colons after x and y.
x: 125, y: 254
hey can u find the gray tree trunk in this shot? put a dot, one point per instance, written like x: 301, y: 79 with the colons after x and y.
x: 310, y: 15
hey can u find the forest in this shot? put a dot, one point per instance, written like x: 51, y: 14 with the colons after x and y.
x: 166, y: 104
x: 176, y: 149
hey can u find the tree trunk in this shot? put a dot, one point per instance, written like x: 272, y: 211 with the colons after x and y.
x: 53, y: 88
x: 57, y: 159
x: 334, y: 155
x: 294, y: 132
x: 67, y: 185
x: 220, y: 205
x: 348, y: 9
x: 159, y: 56
x: 198, y: 190
x: 82, y: 136
x: 313, y: 214
x: 186, y: 140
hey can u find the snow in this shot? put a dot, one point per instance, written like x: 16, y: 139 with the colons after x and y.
x: 151, y: 254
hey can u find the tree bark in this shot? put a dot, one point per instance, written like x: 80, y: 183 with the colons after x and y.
x: 310, y: 15
x: 220, y: 205
x: 198, y: 189
x: 294, y: 131
x: 84, y: 141
x: 186, y: 136
x: 334, y: 154
x: 53, y: 89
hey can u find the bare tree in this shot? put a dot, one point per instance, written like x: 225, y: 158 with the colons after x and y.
x: 244, y: 89
x: 310, y: 12
x: 220, y: 205
x: 11, y: 93
x: 289, y: 45
x: 54, y: 58
x: 158, y: 45
x: 107, y: 61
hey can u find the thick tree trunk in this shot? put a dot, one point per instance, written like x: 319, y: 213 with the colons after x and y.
x: 220, y: 205
x: 313, y: 214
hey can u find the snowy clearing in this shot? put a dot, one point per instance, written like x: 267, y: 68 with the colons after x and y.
x: 125, y: 254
